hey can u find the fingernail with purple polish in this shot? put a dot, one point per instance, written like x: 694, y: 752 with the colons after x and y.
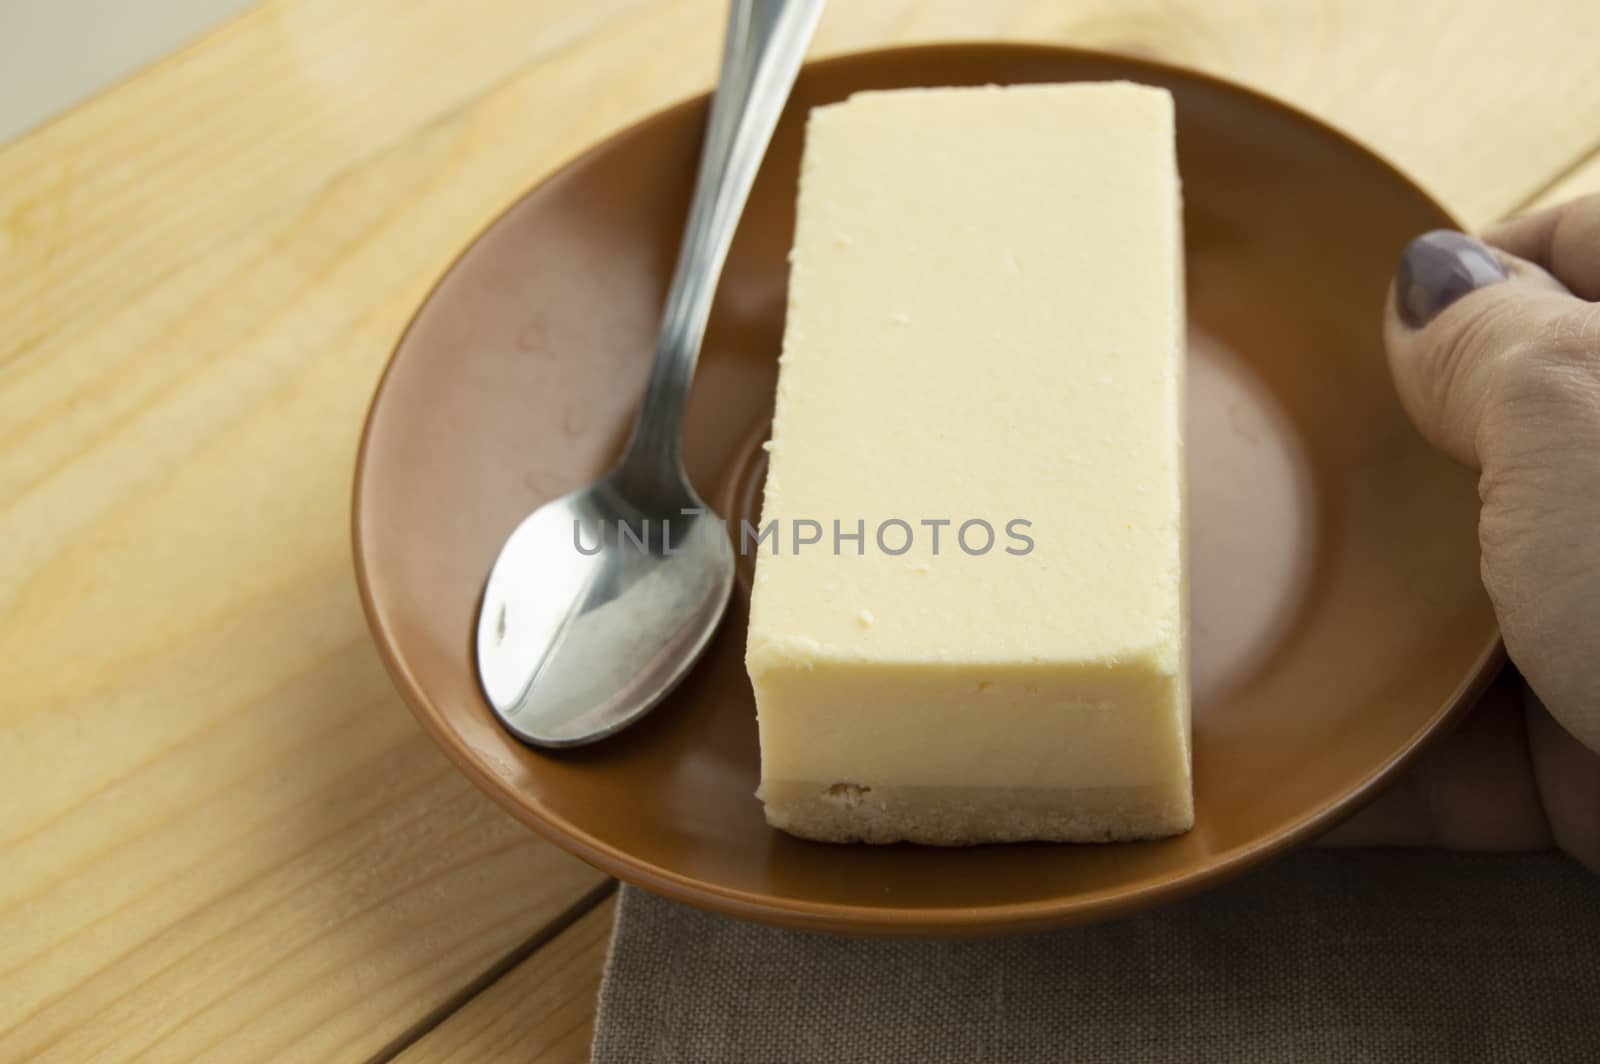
x: 1438, y: 268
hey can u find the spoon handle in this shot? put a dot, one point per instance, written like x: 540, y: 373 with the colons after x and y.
x: 761, y: 54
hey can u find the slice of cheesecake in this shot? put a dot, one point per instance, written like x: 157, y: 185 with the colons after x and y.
x: 969, y: 614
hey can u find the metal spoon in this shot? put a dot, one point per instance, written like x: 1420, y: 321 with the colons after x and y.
x: 601, y: 601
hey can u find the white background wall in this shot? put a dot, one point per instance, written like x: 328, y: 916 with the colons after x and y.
x: 54, y: 53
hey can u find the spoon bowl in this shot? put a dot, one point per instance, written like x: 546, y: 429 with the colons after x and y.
x: 599, y: 603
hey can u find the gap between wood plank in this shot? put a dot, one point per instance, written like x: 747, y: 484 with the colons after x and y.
x: 491, y: 975
x: 1583, y: 159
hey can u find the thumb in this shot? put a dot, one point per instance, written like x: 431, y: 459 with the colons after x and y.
x: 1499, y: 365
x: 1458, y: 312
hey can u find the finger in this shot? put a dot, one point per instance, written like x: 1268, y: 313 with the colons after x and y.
x: 1568, y: 777
x: 1565, y: 240
x: 1473, y: 790
x: 1457, y: 311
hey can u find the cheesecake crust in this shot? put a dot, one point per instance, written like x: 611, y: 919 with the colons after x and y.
x: 966, y: 816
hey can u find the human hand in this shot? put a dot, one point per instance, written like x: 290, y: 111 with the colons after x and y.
x: 1495, y: 352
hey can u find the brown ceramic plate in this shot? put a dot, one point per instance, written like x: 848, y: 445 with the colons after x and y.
x: 1338, y: 617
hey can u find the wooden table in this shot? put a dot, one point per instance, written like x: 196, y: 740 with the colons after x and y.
x: 221, y: 835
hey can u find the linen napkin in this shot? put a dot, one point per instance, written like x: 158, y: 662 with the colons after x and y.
x: 1326, y: 955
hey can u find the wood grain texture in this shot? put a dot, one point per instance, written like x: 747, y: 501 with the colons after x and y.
x: 540, y: 1012
x: 182, y: 158
x: 223, y: 838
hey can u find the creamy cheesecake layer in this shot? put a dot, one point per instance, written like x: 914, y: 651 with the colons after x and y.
x: 983, y: 346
